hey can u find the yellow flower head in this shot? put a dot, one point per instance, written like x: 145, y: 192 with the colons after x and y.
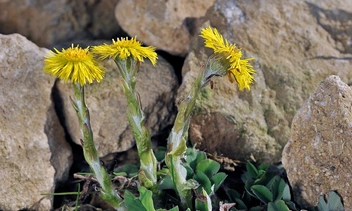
x: 124, y: 48
x: 239, y: 70
x: 73, y: 64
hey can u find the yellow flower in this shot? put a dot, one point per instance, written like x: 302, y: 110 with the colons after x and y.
x: 240, y: 70
x: 123, y: 48
x: 73, y: 64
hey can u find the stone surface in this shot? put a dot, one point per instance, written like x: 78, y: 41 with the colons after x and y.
x: 25, y: 113
x: 167, y: 25
x: 296, y: 44
x: 106, y: 101
x: 62, y: 157
x: 318, y: 156
x: 49, y: 22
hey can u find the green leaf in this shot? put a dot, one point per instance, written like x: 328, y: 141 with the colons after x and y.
x: 286, y: 194
x: 160, y: 155
x: 166, y: 183
x: 189, y: 170
x: 334, y: 202
x: 247, y: 187
x: 280, y: 189
x: 161, y: 148
x: 257, y: 208
x: 273, y: 186
x: 261, y: 173
x: 263, y: 178
x: 218, y: 179
x: 232, y: 194
x: 263, y: 167
x: 127, y: 170
x: 291, y: 205
x: 203, y: 202
x: 204, y: 181
x: 277, y: 206
x: 146, y: 198
x: 130, y: 169
x: 322, y: 205
x: 190, y: 184
x: 132, y: 202
x: 240, y: 204
x: 208, y: 167
x: 200, y: 156
x: 120, y: 174
x: 191, y: 157
x: 163, y: 172
x: 252, y: 170
x: 262, y: 193
x: 245, y: 177
x: 247, y: 198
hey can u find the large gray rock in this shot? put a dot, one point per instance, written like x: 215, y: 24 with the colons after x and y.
x: 28, y: 146
x: 49, y: 22
x: 107, y: 104
x: 168, y: 25
x: 318, y: 156
x: 62, y: 156
x: 296, y: 44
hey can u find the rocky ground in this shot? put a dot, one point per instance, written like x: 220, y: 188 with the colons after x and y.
x: 298, y: 110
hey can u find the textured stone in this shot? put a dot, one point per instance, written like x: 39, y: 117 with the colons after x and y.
x: 49, y: 22
x: 168, y: 25
x: 62, y: 157
x: 318, y: 156
x: 25, y: 105
x: 296, y: 44
x: 106, y: 101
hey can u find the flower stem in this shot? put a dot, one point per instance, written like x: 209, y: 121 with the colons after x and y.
x: 108, y: 192
x: 128, y: 69
x: 177, y: 145
x: 177, y: 142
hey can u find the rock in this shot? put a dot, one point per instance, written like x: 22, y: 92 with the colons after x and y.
x: 107, y: 105
x: 167, y: 25
x: 49, y: 22
x: 318, y: 156
x: 62, y: 157
x: 295, y: 44
x: 25, y: 113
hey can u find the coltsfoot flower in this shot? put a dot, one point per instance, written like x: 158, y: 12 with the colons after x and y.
x: 73, y: 64
x: 238, y: 69
x: 124, y: 48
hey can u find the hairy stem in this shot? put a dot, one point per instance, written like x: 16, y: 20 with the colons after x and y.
x: 128, y: 69
x: 177, y: 145
x: 108, y: 192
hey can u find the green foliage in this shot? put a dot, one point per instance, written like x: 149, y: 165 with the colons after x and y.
x: 264, y: 189
x: 128, y: 170
x: 203, y: 202
x: 202, y: 174
x: 204, y: 171
x: 144, y: 202
x: 333, y: 202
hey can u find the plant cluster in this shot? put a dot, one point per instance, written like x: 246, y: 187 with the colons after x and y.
x: 265, y: 188
x: 175, y: 177
x: 194, y: 181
